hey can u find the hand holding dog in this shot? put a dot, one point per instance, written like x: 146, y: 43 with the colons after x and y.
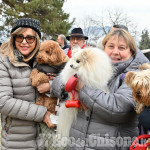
x: 43, y: 87
x: 78, y: 87
x: 47, y: 120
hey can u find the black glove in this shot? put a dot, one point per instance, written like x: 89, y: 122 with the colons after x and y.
x: 144, y: 118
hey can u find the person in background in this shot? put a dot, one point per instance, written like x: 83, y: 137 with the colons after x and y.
x: 119, y: 26
x: 115, y: 26
x: 77, y: 39
x: 61, y: 39
x: 111, y: 116
x: 19, y: 113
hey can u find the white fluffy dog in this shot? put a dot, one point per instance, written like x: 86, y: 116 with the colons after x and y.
x: 94, y: 68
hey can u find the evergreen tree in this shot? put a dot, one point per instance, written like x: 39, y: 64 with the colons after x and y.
x: 53, y: 19
x: 145, y: 40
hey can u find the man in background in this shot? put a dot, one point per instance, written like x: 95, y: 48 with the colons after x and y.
x: 77, y: 39
x: 119, y: 26
x: 61, y: 39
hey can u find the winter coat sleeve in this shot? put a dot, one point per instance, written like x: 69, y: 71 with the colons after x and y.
x: 115, y: 107
x: 57, y: 89
x: 16, y: 107
x: 144, y: 118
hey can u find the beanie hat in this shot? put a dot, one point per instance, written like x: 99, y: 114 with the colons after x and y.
x: 27, y: 22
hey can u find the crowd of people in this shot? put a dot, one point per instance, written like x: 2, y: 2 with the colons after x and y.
x: 110, y: 122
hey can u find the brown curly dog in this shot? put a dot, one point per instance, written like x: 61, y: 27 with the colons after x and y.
x: 51, y: 59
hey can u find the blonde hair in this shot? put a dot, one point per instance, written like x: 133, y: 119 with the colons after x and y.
x: 122, y: 33
x: 8, y: 47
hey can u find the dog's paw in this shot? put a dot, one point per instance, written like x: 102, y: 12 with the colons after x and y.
x: 37, y: 78
x: 42, y: 78
x: 33, y: 77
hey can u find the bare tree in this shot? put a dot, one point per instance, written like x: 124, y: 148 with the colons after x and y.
x: 91, y: 29
x: 97, y: 26
x: 119, y: 17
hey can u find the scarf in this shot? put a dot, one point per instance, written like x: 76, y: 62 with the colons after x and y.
x: 70, y: 52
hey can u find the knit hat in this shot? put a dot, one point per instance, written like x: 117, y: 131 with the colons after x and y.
x: 27, y: 22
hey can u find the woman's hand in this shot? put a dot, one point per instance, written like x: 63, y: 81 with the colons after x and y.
x: 43, y: 87
x: 82, y: 106
x: 79, y: 86
x: 47, y: 120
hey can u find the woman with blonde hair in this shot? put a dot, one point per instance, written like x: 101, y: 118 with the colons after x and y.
x: 19, y: 113
x: 111, y: 121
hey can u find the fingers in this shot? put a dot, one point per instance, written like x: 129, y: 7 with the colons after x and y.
x: 47, y: 120
x: 83, y: 106
x: 44, y: 87
x: 79, y: 86
x: 50, y: 125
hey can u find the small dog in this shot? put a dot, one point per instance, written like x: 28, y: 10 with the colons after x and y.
x: 50, y: 60
x: 94, y: 69
x: 139, y: 82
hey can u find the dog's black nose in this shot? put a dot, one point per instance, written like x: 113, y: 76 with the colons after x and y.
x: 71, y: 66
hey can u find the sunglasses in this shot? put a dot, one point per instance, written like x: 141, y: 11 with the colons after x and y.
x: 29, y: 39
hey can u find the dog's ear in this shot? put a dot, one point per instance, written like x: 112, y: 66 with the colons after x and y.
x: 129, y: 77
x: 85, y: 54
x: 60, y: 54
x: 57, y: 55
x: 144, y: 66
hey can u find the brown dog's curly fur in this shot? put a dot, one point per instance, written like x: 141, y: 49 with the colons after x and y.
x: 50, y: 53
x: 139, y: 82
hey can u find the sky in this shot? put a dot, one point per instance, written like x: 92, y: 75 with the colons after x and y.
x: 136, y: 10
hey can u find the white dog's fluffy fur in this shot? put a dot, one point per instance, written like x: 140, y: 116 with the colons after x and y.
x: 94, y: 69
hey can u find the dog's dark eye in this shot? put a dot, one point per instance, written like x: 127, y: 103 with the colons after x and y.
x: 78, y: 61
x: 47, y: 52
x: 138, y: 93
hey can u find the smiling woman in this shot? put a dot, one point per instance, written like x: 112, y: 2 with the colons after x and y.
x: 109, y: 116
x: 119, y: 45
x: 25, y: 42
x: 17, y: 96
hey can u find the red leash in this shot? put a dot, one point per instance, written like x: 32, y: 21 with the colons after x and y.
x: 69, y: 87
x: 137, y: 146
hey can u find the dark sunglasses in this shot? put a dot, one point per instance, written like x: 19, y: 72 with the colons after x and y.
x: 29, y: 39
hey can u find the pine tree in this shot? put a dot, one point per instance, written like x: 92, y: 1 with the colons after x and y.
x: 145, y: 40
x: 53, y: 19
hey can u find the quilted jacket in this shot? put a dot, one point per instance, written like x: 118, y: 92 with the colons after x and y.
x: 19, y: 113
x: 110, y: 122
